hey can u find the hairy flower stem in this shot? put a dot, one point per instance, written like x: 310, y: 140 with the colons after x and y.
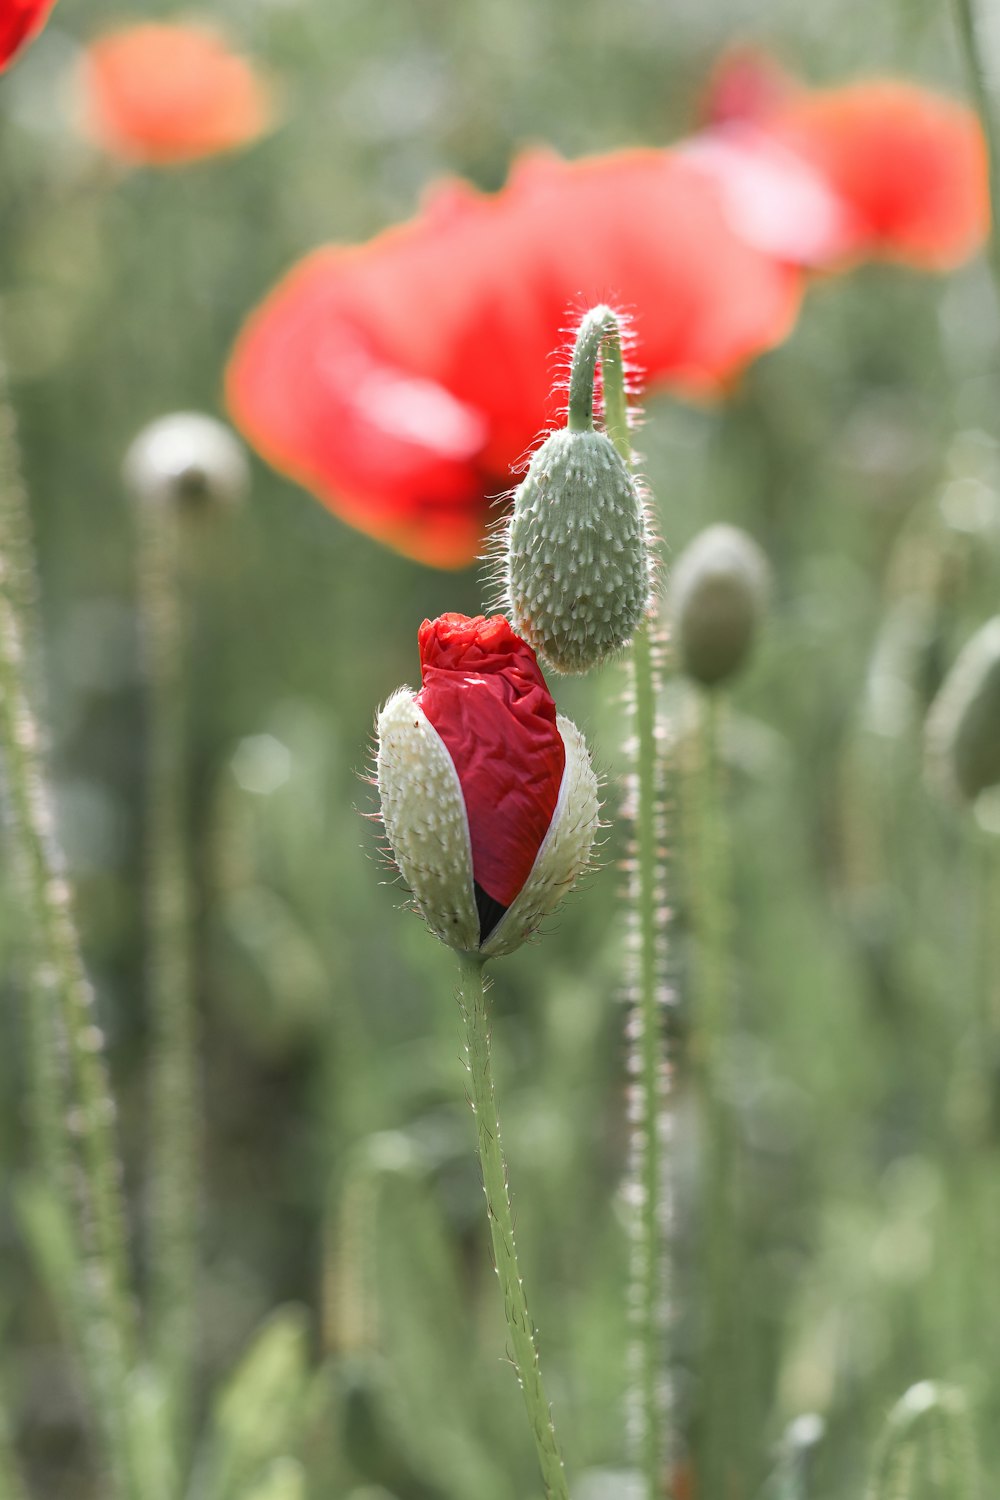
x: 720, y: 1433
x: 599, y: 337
x: 979, y: 88
x: 495, y: 1186
x: 82, y: 1146
x: 175, y: 1113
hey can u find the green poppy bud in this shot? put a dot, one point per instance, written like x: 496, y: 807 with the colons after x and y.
x: 578, y: 565
x: 963, y: 726
x: 718, y: 595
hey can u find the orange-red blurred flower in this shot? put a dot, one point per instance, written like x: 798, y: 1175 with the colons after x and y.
x: 401, y: 380
x: 163, y: 94
x: 829, y: 177
x: 20, y: 20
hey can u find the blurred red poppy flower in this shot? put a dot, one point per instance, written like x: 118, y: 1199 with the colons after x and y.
x: 828, y: 177
x: 403, y: 379
x: 484, y: 693
x: 163, y: 94
x: 20, y: 20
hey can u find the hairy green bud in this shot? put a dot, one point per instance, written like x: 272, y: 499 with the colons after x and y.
x: 578, y: 566
x: 963, y: 726
x: 717, y: 598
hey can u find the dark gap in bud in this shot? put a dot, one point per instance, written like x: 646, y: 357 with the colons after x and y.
x: 490, y: 911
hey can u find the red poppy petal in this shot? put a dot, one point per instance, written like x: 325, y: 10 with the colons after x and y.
x: 20, y: 21
x: 164, y: 94
x: 911, y: 166
x: 484, y: 693
x: 467, y: 306
x: 389, y: 451
x: 773, y: 198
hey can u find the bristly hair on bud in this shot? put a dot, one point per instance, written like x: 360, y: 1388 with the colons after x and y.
x: 963, y: 725
x: 577, y: 552
x: 717, y: 598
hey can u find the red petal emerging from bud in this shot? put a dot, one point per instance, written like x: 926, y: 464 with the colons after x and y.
x: 20, y: 20
x: 484, y: 693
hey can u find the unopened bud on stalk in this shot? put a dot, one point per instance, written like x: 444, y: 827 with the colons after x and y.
x: 718, y: 596
x: 578, y: 563
x: 188, y: 460
x: 578, y: 569
x: 963, y: 725
x: 488, y: 797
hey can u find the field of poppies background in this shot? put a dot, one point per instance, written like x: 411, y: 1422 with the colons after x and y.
x: 343, y: 1210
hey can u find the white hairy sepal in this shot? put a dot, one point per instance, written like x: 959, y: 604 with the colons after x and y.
x: 425, y: 820
x: 963, y: 725
x: 427, y: 826
x: 578, y: 561
x: 565, y: 851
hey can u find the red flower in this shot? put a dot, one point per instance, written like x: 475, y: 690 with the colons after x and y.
x: 20, y: 20
x: 163, y: 94
x: 484, y: 693
x: 828, y: 177
x: 401, y: 380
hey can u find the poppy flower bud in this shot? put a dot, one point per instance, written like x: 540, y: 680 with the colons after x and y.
x: 963, y: 726
x: 488, y: 796
x: 718, y: 594
x: 578, y: 557
x: 187, y: 459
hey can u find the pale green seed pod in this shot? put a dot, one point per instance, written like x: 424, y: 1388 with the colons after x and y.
x: 189, y: 460
x: 963, y: 725
x: 427, y: 825
x: 717, y: 598
x: 578, y: 563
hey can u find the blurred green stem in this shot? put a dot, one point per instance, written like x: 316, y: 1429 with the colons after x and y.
x: 934, y: 1418
x: 495, y: 1186
x: 175, y: 1114
x: 718, y: 1449
x: 39, y: 868
x: 599, y: 337
x: 979, y: 88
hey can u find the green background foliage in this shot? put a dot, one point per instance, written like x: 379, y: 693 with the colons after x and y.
x: 862, y: 1060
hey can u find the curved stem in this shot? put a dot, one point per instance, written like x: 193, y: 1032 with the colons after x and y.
x: 175, y: 1174
x: 495, y: 1186
x: 979, y: 88
x: 599, y: 336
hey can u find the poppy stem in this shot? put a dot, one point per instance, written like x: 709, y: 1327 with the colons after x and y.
x: 175, y: 1114
x: 495, y: 1186
x: 599, y: 336
x: 979, y: 88
x: 77, y: 1147
x: 720, y: 1431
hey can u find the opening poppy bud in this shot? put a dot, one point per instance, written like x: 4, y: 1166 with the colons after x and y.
x: 488, y: 796
x: 963, y: 726
x: 578, y: 556
x: 188, y: 460
x: 718, y: 595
